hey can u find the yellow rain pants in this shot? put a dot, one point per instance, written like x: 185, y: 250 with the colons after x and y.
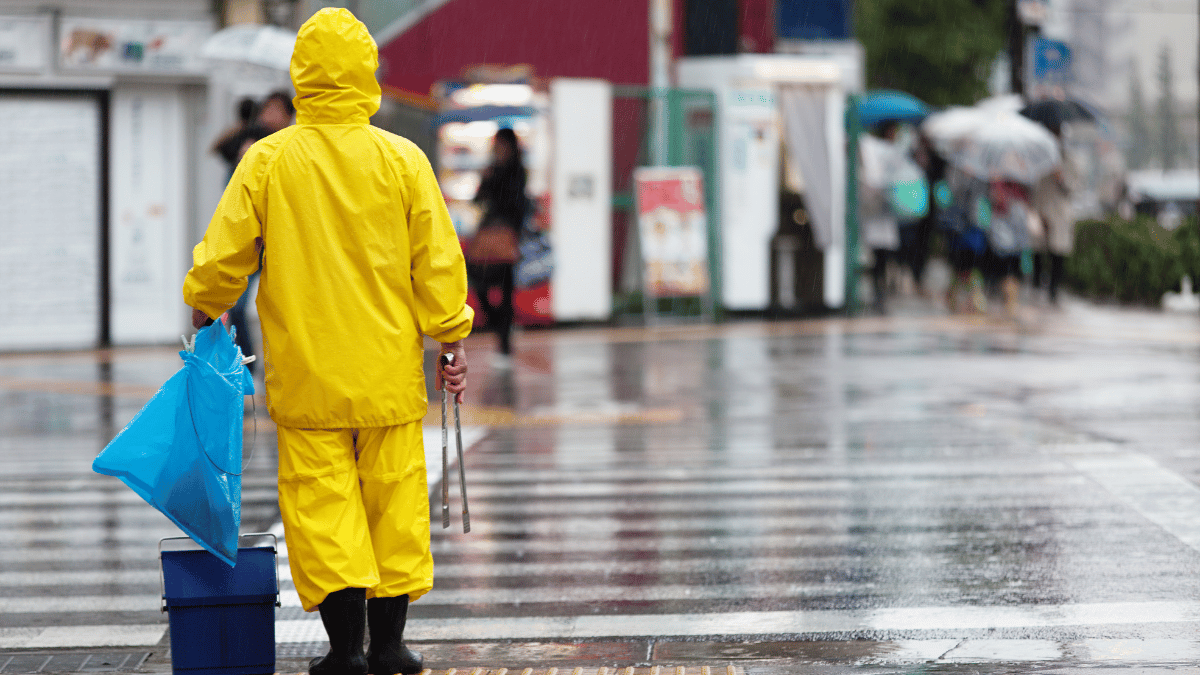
x: 355, y: 524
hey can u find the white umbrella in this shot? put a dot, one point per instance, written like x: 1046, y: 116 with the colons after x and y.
x: 1009, y: 146
x: 949, y: 127
x: 994, y: 142
x: 268, y: 46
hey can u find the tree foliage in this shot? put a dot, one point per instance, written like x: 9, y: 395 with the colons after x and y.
x: 940, y: 51
x: 1132, y: 261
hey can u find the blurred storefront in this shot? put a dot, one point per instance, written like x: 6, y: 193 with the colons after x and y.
x: 104, y: 108
x: 764, y: 100
x: 109, y: 109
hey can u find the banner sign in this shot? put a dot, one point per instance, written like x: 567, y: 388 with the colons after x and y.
x: 24, y: 43
x: 673, y: 229
x: 130, y: 46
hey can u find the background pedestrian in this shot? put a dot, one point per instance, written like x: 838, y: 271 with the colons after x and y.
x: 494, y: 250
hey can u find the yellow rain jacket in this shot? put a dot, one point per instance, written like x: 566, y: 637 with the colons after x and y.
x: 359, y: 254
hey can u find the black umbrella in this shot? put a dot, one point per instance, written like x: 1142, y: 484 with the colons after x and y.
x: 1053, y: 113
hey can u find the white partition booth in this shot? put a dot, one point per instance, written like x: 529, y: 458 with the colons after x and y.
x: 765, y: 101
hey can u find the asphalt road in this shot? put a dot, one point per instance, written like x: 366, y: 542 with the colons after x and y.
x: 912, y: 493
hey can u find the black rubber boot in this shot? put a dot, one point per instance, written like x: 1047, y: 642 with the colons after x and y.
x: 345, y: 618
x: 388, y: 655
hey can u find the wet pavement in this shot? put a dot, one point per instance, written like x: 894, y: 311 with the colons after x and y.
x: 915, y: 493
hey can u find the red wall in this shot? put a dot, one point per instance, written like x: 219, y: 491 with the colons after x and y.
x: 756, y: 26
x: 559, y: 38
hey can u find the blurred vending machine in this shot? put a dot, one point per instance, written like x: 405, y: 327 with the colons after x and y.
x: 564, y: 127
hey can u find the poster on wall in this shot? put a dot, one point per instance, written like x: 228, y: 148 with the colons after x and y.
x: 116, y: 45
x: 24, y: 43
x: 673, y: 229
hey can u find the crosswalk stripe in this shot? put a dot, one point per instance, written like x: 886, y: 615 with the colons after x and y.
x: 118, y: 496
x: 638, y: 593
x: 1162, y: 496
x: 96, y: 555
x: 81, y: 604
x: 784, y: 623
x: 77, y: 578
x: 67, y: 538
x: 131, y: 516
x: 449, y: 550
x: 590, y: 594
x: 592, y: 527
x: 745, y: 488
x: 52, y: 637
x: 887, y: 471
x: 640, y: 507
x: 599, y: 566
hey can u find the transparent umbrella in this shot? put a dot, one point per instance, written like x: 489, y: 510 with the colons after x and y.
x: 268, y: 46
x: 1009, y: 146
x: 948, y: 128
x: 994, y: 143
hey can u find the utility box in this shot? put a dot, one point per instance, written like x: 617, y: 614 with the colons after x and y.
x: 222, y: 618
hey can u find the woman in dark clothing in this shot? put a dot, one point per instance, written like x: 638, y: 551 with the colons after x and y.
x: 915, y: 238
x: 493, y: 252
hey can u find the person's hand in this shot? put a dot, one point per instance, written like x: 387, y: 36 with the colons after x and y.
x: 453, y: 377
x: 200, y: 319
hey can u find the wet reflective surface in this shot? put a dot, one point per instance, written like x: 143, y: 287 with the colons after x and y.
x: 78, y: 548
x: 913, y: 489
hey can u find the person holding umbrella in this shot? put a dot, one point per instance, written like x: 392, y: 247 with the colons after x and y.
x: 1052, y: 199
x: 1012, y: 154
x: 1052, y: 193
x: 885, y: 111
x: 359, y: 260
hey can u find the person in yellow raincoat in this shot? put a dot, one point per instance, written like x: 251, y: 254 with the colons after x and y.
x: 359, y: 259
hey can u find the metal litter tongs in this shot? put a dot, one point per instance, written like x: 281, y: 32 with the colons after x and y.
x: 445, y: 360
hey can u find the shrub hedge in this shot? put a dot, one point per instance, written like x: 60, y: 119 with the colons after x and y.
x: 1132, y: 261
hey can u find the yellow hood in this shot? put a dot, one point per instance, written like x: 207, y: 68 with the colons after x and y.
x: 333, y: 70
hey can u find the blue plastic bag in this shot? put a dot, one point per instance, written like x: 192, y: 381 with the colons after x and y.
x: 182, y: 452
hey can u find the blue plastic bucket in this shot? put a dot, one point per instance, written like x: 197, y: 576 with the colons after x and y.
x: 222, y: 618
